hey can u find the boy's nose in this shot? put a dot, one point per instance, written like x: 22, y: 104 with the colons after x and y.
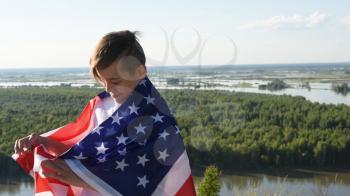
x: 108, y: 87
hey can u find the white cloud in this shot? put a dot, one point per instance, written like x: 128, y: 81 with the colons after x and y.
x: 293, y: 21
x: 345, y: 21
x: 315, y: 19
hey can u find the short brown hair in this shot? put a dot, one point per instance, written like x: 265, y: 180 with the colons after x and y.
x: 115, y: 45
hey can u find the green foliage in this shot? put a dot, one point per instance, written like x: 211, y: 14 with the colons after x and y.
x: 210, y: 184
x: 231, y: 130
x: 235, y: 130
x: 25, y: 110
x: 276, y: 84
x: 342, y: 88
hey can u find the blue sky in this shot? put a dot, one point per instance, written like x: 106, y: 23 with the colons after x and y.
x: 64, y: 33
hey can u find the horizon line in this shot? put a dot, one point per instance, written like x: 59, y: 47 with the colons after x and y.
x: 192, y: 65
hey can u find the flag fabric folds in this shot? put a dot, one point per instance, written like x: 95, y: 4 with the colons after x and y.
x: 130, y: 149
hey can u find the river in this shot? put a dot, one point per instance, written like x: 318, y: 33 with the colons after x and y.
x: 289, y: 182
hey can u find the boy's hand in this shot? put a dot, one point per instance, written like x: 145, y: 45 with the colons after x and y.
x: 28, y: 143
x: 58, y: 169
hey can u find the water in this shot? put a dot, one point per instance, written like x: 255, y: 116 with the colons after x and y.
x: 320, y: 77
x: 320, y: 92
x: 15, y: 188
x: 315, y: 95
x: 296, y: 182
x: 320, y: 95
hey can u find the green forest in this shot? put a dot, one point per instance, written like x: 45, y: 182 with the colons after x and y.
x: 228, y: 129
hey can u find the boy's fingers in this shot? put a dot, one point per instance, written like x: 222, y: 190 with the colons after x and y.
x: 26, y: 145
x: 16, y: 148
x: 54, y: 165
x: 51, y: 166
x: 55, y: 176
x: 65, y: 175
x: 52, y: 175
x: 34, y: 139
x: 62, y: 164
x: 21, y: 143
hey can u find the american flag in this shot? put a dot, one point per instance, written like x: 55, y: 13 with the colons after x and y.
x: 134, y: 150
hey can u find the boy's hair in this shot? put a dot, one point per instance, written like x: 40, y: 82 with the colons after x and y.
x: 114, y: 46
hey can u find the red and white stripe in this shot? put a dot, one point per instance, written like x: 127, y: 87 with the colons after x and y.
x: 69, y: 135
x: 178, y: 180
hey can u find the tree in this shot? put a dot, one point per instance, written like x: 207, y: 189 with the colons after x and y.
x: 210, y: 185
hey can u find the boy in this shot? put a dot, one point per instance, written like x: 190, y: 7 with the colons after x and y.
x: 118, y: 63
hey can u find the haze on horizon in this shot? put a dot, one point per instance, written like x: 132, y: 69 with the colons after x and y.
x: 63, y: 34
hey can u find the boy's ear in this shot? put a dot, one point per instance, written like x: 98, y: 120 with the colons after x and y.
x: 141, y: 72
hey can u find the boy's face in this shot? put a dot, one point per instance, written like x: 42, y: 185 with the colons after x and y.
x: 118, y: 82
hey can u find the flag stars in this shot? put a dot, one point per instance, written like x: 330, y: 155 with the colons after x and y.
x: 177, y: 130
x: 101, y: 160
x: 143, y: 143
x: 163, y: 134
x: 116, y: 118
x: 142, y: 181
x: 163, y: 154
x: 158, y: 118
x: 122, y: 139
x: 133, y: 109
x: 122, y: 152
x: 121, y: 165
x: 101, y: 149
x: 140, y: 129
x: 97, y: 130
x: 110, y: 131
x: 80, y: 157
x: 143, y: 82
x: 142, y: 160
x: 150, y: 99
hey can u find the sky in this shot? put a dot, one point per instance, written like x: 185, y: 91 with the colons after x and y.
x: 64, y: 33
